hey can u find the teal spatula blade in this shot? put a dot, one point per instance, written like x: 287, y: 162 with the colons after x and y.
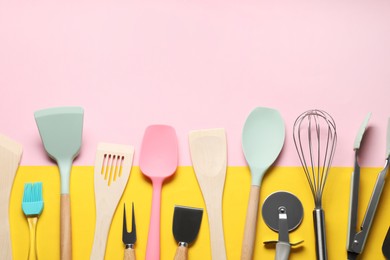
x: 262, y: 140
x: 60, y: 129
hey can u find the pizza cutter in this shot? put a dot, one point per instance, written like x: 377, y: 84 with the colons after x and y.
x: 282, y: 212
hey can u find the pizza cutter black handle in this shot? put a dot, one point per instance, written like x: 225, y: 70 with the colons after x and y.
x: 319, y: 228
x: 282, y: 251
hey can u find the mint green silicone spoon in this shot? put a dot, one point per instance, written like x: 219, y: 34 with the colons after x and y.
x: 262, y: 140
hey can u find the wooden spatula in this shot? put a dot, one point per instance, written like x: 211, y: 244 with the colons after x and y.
x: 209, y: 159
x: 112, y: 170
x: 10, y: 155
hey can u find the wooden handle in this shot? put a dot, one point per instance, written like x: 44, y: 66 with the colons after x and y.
x: 181, y: 253
x: 250, y: 224
x: 66, y: 228
x: 129, y: 254
x: 217, y: 238
x: 32, y: 226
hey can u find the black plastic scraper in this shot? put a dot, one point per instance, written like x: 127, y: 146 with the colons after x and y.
x: 186, y: 224
x: 386, y: 245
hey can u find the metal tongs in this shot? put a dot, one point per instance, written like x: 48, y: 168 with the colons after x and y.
x: 357, y: 239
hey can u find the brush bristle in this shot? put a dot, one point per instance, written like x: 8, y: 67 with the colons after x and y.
x: 32, y: 203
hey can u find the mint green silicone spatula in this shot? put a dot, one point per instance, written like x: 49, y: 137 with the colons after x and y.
x: 61, y: 130
x: 262, y: 140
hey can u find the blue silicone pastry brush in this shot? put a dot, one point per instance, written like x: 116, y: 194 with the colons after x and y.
x: 32, y: 206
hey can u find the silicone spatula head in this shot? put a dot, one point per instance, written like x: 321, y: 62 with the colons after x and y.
x: 262, y: 140
x: 61, y: 130
x: 159, y: 152
x: 362, y: 130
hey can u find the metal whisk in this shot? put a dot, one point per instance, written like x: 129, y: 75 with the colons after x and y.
x: 315, y: 140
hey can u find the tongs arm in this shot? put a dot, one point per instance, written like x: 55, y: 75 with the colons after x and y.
x: 353, y: 205
x: 360, y: 238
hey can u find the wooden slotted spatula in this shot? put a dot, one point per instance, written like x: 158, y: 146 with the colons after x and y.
x: 10, y: 155
x: 112, y: 170
x: 209, y: 159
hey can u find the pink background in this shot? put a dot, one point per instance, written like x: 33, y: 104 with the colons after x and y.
x: 193, y: 65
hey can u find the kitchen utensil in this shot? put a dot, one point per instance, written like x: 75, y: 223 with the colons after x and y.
x: 61, y: 130
x: 315, y: 140
x: 386, y: 245
x: 357, y: 240
x: 32, y: 206
x: 282, y: 212
x: 10, y: 155
x: 209, y: 159
x: 262, y: 140
x: 129, y: 238
x: 186, y: 224
x: 158, y: 161
x: 112, y: 170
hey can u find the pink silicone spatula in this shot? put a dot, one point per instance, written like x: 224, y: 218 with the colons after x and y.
x: 158, y: 161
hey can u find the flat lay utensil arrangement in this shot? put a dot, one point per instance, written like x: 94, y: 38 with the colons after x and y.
x: 158, y: 161
x: 32, y: 206
x: 129, y: 238
x: 315, y: 140
x: 113, y: 164
x: 208, y: 151
x: 357, y: 239
x: 185, y: 228
x: 282, y: 212
x: 10, y: 156
x: 61, y: 130
x: 262, y: 141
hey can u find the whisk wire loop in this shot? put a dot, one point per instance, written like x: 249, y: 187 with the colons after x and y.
x: 316, y: 150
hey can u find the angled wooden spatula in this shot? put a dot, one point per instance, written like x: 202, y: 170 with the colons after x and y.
x: 209, y: 159
x: 10, y: 155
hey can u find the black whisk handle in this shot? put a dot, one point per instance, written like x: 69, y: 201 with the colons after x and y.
x: 319, y: 228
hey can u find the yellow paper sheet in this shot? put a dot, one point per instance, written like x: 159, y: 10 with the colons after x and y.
x: 183, y: 189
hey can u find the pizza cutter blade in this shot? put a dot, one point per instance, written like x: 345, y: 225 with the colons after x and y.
x: 282, y: 212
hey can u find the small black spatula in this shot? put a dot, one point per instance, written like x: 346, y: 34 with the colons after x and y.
x: 186, y: 224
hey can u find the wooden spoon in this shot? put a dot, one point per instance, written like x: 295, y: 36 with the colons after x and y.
x: 10, y: 155
x: 209, y: 159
